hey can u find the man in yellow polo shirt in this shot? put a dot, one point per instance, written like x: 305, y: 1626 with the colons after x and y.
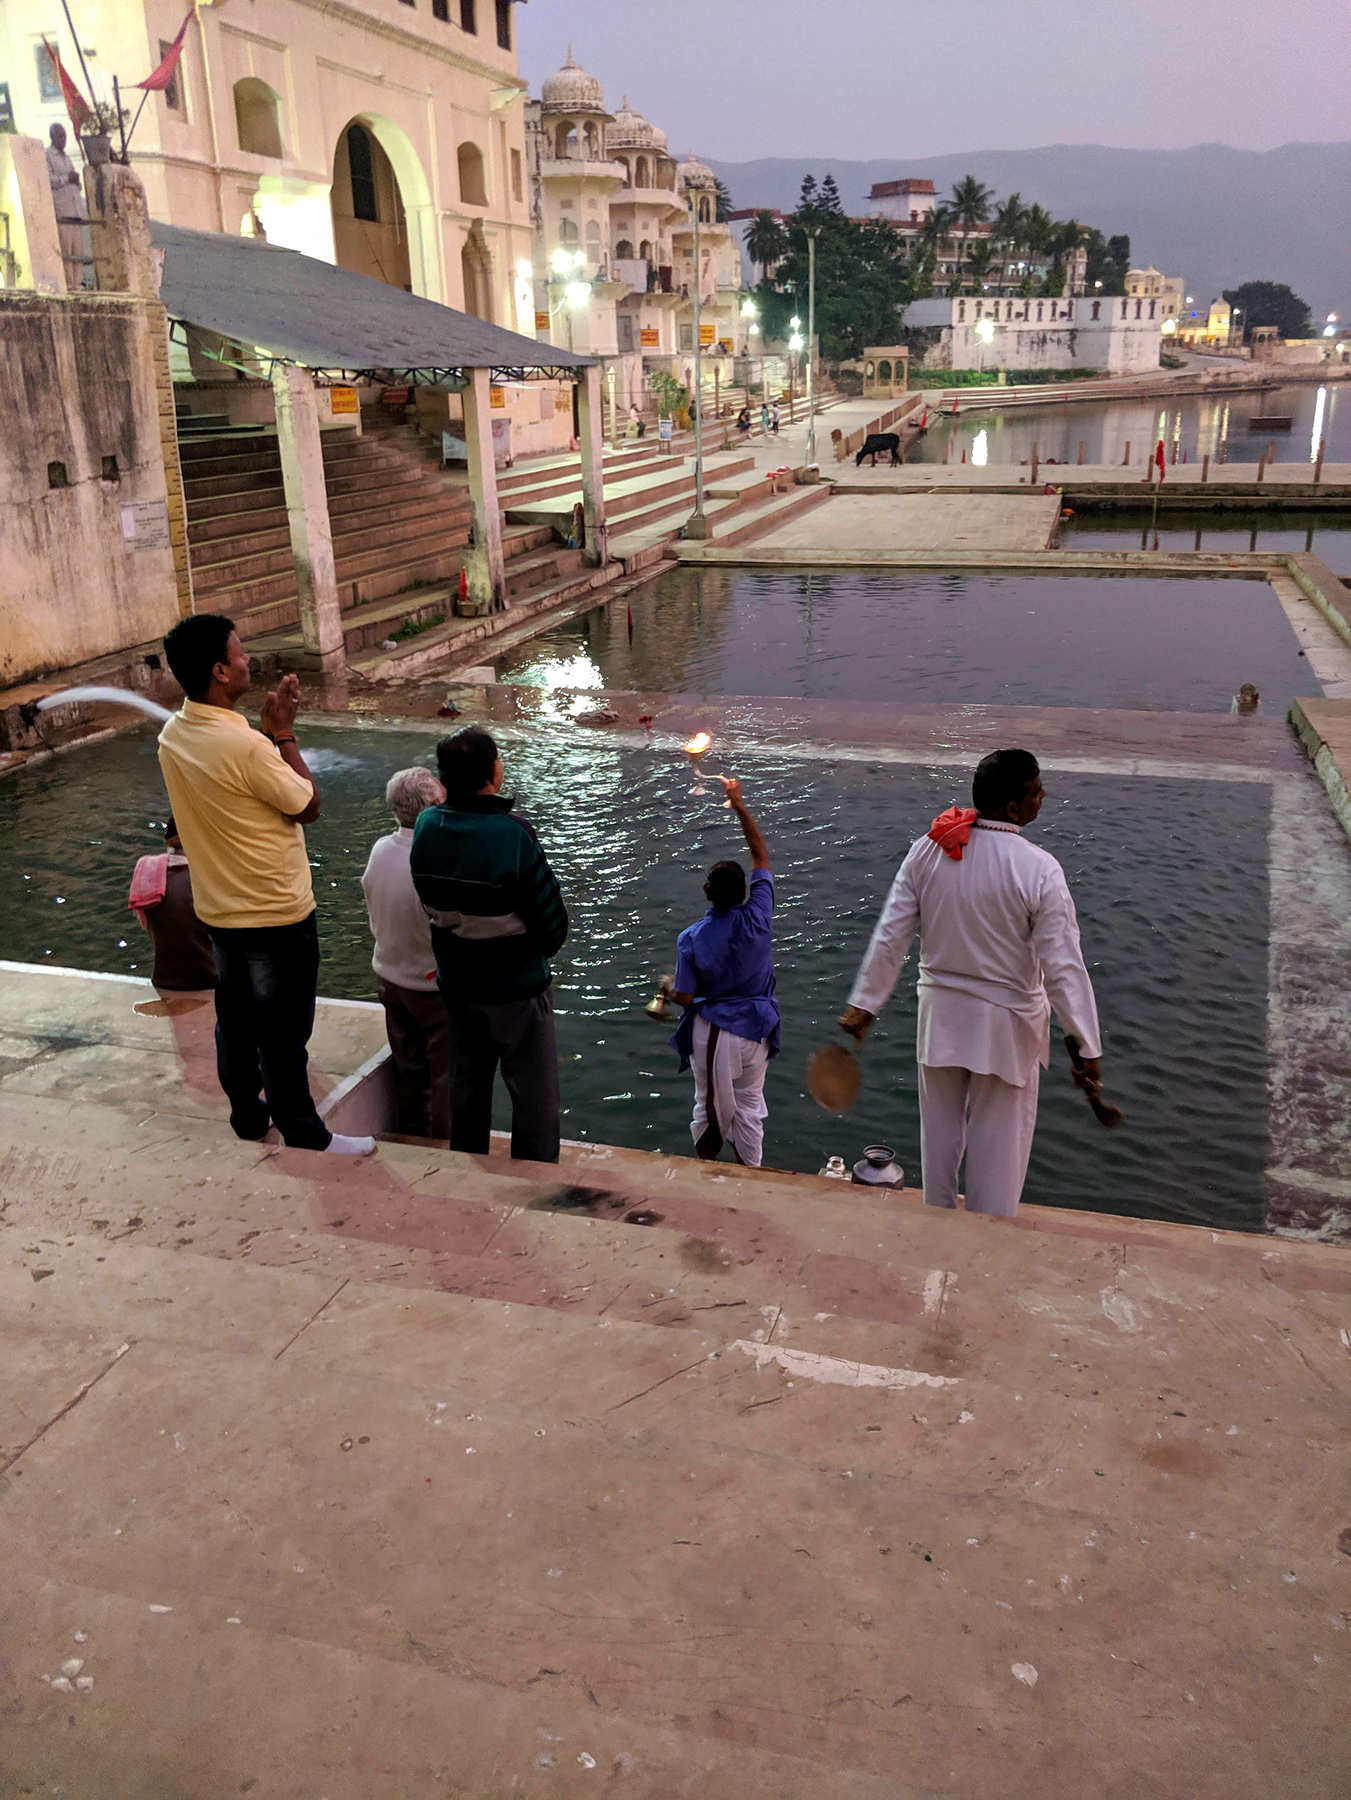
x: 241, y: 798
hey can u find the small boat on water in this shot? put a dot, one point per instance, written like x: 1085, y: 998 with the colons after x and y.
x: 1271, y: 422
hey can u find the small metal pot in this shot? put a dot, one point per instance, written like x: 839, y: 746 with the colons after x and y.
x: 98, y: 148
x: 879, y: 1168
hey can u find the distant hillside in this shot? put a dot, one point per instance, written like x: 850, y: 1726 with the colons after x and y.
x: 1213, y: 215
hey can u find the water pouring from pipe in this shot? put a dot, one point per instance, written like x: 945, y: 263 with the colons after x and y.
x: 105, y: 696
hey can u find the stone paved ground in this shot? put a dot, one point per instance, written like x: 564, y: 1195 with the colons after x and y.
x: 439, y: 1475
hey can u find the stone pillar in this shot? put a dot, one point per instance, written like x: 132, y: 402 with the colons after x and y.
x: 26, y: 198
x: 125, y: 261
x: 302, y: 469
x: 591, y: 443
x: 484, y: 566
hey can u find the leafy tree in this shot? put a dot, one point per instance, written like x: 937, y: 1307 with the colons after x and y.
x: 724, y: 195
x: 766, y: 241
x: 1270, y: 303
x: 1108, y: 261
x: 862, y: 277
x: 829, y: 197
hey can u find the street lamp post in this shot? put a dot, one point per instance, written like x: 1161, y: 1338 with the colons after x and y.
x: 811, y: 346
x: 696, y: 526
x: 794, y: 349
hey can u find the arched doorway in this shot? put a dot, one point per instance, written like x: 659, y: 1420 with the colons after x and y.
x: 476, y: 273
x: 404, y: 233
x: 370, y: 228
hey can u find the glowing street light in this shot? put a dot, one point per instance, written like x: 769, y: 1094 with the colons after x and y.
x: 577, y: 293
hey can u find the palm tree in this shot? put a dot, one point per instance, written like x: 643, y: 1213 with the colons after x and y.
x: 978, y: 264
x: 1037, y: 232
x: 1008, y: 227
x: 766, y: 241
x: 724, y: 205
x: 936, y: 227
x: 1066, y: 239
x: 970, y: 207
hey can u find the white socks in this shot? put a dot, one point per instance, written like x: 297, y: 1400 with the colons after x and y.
x: 350, y: 1146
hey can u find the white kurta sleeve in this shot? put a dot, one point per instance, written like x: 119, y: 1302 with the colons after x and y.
x: 889, y: 945
x: 1055, y: 935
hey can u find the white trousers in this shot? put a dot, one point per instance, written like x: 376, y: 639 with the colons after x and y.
x: 987, y: 1119
x: 739, y: 1067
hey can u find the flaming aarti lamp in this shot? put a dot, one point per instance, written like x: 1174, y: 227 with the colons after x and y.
x: 699, y: 745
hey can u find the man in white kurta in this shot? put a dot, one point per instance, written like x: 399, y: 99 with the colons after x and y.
x: 999, y: 949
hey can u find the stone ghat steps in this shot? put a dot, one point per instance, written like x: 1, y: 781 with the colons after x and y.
x: 631, y: 500
x: 461, y: 641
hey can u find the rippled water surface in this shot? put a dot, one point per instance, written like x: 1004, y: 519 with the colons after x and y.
x: 1326, y: 534
x: 1179, y: 965
x: 1196, y: 423
x: 918, y: 636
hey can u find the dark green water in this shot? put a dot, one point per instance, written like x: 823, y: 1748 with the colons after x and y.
x: 1146, y: 644
x: 1180, y: 970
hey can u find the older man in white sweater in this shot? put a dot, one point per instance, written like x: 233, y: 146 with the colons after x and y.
x: 405, y: 965
x: 999, y: 949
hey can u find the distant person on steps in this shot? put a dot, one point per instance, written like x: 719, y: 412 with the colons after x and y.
x: 497, y: 917
x: 999, y: 948
x: 241, y: 798
x: 405, y: 963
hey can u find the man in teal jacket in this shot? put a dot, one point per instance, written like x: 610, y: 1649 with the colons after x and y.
x: 497, y: 917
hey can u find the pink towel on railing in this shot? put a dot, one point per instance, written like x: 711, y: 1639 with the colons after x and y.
x: 149, y: 879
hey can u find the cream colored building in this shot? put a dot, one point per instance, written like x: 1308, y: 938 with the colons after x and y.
x: 1165, y: 290
x: 612, y: 268
x: 384, y: 135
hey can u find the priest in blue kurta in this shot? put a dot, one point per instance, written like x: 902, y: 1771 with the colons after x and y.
x: 724, y: 979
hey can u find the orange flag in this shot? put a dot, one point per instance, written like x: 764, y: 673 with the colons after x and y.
x: 160, y: 78
x: 76, y: 104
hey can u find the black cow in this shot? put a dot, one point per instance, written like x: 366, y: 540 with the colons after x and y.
x: 876, y: 444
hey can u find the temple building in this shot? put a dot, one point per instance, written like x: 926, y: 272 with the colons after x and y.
x: 386, y: 138
x: 612, y: 269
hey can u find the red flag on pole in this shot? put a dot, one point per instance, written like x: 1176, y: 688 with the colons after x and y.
x: 76, y: 104
x: 159, y: 79
x: 1160, y: 459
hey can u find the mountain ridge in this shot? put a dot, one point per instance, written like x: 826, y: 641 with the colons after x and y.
x: 1210, y: 213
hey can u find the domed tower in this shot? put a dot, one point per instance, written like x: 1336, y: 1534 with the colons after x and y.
x: 576, y: 176
x: 698, y: 181
x: 572, y: 105
x: 641, y: 147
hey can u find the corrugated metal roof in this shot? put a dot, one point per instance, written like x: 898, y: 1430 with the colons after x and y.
x: 301, y: 310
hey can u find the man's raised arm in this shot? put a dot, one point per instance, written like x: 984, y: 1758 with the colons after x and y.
x: 755, y: 838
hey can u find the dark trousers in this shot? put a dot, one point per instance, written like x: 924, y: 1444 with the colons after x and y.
x: 265, y: 986
x: 419, y: 1047
x: 518, y: 1035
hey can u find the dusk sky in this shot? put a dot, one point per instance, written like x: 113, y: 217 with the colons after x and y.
x: 740, y: 79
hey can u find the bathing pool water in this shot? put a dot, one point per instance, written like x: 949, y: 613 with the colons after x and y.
x: 914, y: 637
x: 1196, y: 423
x: 1327, y: 535
x: 1180, y: 966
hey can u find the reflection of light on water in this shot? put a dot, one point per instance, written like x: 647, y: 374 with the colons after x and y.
x: 573, y: 672
x: 559, y: 678
x: 1318, y: 407
x: 980, y: 449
